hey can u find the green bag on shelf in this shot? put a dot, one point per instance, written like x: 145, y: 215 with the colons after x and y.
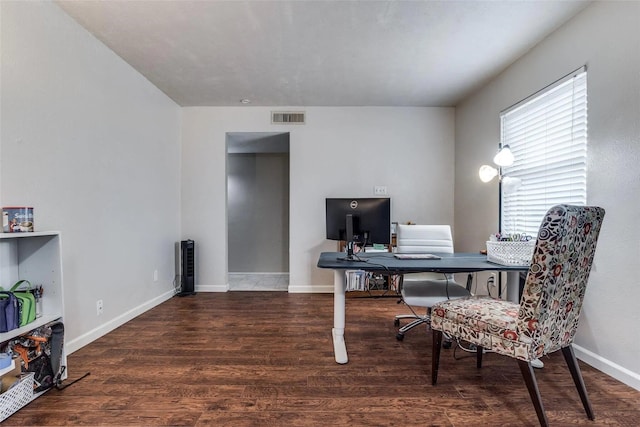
x: 26, y: 301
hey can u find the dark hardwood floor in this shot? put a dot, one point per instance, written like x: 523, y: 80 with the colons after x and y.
x: 266, y: 359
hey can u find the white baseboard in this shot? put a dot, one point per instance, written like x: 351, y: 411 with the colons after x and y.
x: 212, y: 288
x: 308, y: 289
x: 265, y: 273
x: 293, y: 289
x: 105, y: 328
x: 614, y: 370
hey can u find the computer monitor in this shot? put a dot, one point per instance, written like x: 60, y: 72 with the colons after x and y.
x: 361, y: 220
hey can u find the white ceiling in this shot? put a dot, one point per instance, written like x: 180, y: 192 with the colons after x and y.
x: 320, y: 53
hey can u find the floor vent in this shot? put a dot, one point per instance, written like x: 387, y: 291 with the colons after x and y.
x: 287, y: 117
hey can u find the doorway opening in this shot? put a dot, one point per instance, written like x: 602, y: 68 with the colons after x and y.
x: 258, y: 211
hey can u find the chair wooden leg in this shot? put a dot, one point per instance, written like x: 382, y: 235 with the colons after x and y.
x: 435, y: 355
x: 534, y: 392
x: 572, y: 363
x: 479, y: 352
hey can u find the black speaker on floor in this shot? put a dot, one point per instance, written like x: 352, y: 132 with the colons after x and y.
x: 186, y: 260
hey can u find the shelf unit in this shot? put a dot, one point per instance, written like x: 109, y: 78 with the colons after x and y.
x: 36, y: 257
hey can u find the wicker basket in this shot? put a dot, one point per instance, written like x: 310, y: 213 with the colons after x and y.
x: 510, y: 253
x: 17, y: 396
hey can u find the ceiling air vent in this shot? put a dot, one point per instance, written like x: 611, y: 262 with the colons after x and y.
x: 287, y: 117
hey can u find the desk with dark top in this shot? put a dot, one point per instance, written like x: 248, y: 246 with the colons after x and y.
x: 388, y: 264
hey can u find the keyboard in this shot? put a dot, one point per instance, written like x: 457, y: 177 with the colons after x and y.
x: 416, y: 256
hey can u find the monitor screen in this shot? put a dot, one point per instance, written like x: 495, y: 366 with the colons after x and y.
x: 371, y: 219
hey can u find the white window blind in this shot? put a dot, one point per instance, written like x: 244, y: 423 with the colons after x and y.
x: 547, y: 134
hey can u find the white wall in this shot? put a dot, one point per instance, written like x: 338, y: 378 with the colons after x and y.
x: 606, y: 37
x: 94, y: 148
x: 339, y: 152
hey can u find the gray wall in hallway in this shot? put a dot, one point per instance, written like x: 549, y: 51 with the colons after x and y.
x: 258, y: 212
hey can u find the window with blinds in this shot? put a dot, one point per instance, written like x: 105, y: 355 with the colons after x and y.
x: 547, y: 134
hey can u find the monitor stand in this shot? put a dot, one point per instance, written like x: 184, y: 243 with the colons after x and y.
x: 349, y: 237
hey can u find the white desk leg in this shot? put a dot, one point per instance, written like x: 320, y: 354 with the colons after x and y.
x: 339, y: 346
x: 513, y: 295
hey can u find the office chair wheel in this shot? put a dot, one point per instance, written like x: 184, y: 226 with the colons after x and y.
x: 396, y: 322
x: 399, y: 336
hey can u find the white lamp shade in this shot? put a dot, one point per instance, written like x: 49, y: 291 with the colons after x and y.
x: 487, y: 173
x: 510, y: 184
x: 504, y: 157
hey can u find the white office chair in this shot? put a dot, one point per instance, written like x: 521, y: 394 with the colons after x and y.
x: 425, y: 289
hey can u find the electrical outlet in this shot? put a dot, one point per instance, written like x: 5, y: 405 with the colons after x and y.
x: 492, y: 281
x: 99, y: 307
x: 155, y: 275
x: 380, y: 190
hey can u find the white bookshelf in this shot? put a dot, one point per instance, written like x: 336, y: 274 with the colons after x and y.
x: 36, y: 257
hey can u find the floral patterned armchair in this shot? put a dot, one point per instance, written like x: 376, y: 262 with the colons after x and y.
x: 547, y: 317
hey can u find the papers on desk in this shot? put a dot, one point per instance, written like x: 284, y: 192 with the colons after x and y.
x: 416, y: 256
x: 372, y: 250
x: 356, y: 280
